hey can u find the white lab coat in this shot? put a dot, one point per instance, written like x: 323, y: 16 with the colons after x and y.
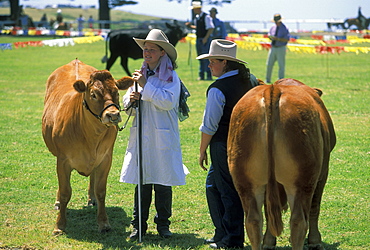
x: 161, y: 153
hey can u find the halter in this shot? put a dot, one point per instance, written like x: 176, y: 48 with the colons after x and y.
x: 101, y: 113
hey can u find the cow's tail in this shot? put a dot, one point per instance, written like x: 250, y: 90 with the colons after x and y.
x: 105, y: 57
x: 273, y: 204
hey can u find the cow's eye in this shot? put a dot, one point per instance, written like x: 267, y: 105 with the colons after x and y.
x: 93, y: 96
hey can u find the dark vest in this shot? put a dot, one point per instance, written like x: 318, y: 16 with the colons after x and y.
x: 201, y: 26
x: 233, y: 89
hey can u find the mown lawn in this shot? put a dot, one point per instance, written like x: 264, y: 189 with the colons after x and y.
x: 28, y: 180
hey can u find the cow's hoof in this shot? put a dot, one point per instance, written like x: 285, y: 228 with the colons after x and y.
x: 57, y: 205
x: 91, y: 203
x: 105, y: 229
x: 57, y: 232
x: 316, y: 247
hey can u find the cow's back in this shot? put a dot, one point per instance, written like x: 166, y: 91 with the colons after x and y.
x: 284, y: 123
x: 62, y: 103
x: 60, y: 82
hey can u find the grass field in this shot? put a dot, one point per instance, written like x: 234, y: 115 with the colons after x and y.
x: 28, y: 180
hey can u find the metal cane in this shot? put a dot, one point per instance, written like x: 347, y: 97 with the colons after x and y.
x: 139, y: 155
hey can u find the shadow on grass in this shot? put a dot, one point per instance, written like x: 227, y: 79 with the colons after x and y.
x: 333, y: 246
x: 82, y: 226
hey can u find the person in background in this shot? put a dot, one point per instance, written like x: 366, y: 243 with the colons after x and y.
x: 220, y: 30
x: 204, y: 27
x: 80, y: 23
x: 24, y: 23
x: 91, y: 22
x: 279, y: 36
x: 234, y: 80
x: 161, y: 159
x: 59, y: 16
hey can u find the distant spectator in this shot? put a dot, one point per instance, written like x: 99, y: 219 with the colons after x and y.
x: 204, y: 27
x: 279, y: 36
x: 59, y: 16
x: 52, y: 23
x: 80, y: 23
x: 220, y: 31
x: 91, y: 22
x: 43, y: 21
x: 44, y: 18
x: 24, y: 23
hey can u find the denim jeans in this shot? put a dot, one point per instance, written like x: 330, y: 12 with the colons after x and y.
x: 223, y: 200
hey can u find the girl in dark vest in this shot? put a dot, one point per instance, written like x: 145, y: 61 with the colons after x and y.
x: 234, y: 80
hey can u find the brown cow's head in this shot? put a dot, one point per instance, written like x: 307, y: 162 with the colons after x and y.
x: 101, y: 95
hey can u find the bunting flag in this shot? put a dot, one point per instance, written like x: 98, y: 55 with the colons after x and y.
x: 57, y: 42
x: 245, y: 41
x: 17, y: 31
x: 4, y: 46
x: 303, y: 46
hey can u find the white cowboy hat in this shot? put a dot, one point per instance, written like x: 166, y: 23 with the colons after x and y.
x: 195, y: 5
x: 222, y: 49
x: 159, y: 38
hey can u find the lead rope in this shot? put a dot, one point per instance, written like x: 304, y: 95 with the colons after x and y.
x: 128, y: 118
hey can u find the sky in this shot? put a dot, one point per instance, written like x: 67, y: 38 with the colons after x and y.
x: 303, y: 11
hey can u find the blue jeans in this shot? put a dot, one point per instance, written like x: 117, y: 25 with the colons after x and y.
x: 203, y: 63
x: 223, y: 200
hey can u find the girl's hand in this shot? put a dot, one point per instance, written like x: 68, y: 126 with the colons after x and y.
x: 139, y: 78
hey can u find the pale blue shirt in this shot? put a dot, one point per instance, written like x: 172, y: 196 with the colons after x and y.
x: 215, y: 105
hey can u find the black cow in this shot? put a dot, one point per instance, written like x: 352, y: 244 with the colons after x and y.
x: 121, y: 43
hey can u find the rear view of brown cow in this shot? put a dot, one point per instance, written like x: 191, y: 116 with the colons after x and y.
x: 279, y: 145
x: 79, y: 126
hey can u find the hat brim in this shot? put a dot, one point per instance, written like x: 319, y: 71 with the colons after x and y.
x: 169, y: 48
x: 223, y: 57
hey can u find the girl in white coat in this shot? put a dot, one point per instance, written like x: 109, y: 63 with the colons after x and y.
x: 158, y: 92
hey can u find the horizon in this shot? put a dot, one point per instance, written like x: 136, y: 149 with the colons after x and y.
x: 298, y: 15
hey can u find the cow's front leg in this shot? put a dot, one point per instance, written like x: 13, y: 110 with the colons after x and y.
x: 100, y: 185
x: 63, y: 195
x: 91, y: 193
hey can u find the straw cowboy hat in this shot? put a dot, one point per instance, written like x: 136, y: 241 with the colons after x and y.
x: 222, y: 49
x: 277, y: 18
x: 159, y: 38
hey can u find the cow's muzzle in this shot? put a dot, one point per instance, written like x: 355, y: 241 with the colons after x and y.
x: 112, y: 117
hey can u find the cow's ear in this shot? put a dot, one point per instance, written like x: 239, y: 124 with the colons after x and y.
x: 80, y: 86
x: 125, y: 82
x: 318, y: 91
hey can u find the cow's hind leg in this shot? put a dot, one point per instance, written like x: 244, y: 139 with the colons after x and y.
x: 124, y: 64
x: 100, y: 185
x: 314, y: 236
x: 252, y: 205
x: 63, y: 195
x: 111, y: 60
x: 300, y: 209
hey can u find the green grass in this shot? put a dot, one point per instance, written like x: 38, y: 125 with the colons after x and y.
x: 28, y: 180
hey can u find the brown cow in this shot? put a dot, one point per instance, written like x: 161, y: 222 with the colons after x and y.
x: 279, y: 148
x: 79, y: 126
